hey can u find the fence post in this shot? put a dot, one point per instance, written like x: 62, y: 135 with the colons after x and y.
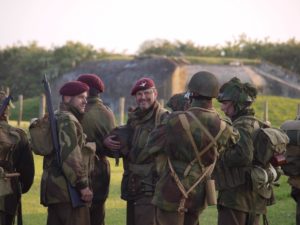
x: 298, y: 110
x: 266, y: 111
x: 20, y: 109
x: 121, y: 110
x: 42, y: 106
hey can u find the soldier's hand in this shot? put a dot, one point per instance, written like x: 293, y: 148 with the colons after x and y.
x: 86, y: 194
x: 112, y: 144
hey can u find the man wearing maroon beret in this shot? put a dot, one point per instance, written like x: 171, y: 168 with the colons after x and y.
x: 139, y: 178
x: 97, y: 122
x: 75, y: 153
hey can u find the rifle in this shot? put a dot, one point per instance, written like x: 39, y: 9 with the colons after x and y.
x: 74, y: 195
x: 19, y: 213
x: 5, y: 103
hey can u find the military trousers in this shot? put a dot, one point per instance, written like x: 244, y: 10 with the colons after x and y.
x: 296, y: 196
x: 97, y: 213
x: 140, y: 211
x: 65, y: 214
x: 228, y: 216
x: 6, y: 219
x: 163, y: 217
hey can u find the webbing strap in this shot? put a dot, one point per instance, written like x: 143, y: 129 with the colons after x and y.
x: 222, y: 128
x: 185, y: 193
x: 203, y: 128
x: 186, y: 126
x: 206, y: 171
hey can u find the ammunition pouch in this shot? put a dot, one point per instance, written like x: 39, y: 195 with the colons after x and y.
x: 5, y: 184
x: 138, y: 180
x: 8, y: 185
x: 227, y: 178
x: 9, y: 139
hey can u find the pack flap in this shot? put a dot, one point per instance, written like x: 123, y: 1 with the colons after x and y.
x: 276, y: 136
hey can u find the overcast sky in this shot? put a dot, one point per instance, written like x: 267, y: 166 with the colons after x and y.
x: 123, y: 25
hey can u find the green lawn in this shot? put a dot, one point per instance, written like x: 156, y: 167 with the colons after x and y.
x: 283, y: 212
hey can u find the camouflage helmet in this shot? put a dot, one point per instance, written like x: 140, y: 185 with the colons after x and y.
x: 178, y: 102
x: 123, y: 134
x: 204, y: 84
x: 240, y: 93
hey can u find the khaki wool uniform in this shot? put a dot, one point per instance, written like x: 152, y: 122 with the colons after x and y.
x: 238, y: 203
x: 139, y: 176
x: 293, y: 168
x: 74, y: 159
x: 97, y: 122
x: 295, y: 183
x: 170, y: 143
x: 20, y: 160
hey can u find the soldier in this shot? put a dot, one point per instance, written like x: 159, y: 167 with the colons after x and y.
x: 292, y: 167
x: 74, y: 167
x: 16, y: 168
x: 178, y: 102
x: 186, y: 147
x: 97, y: 122
x: 238, y: 202
x: 139, y: 176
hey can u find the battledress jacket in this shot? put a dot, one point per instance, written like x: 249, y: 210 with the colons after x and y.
x: 232, y: 172
x: 97, y: 122
x: 22, y: 162
x: 72, y: 142
x: 170, y: 140
x: 140, y: 176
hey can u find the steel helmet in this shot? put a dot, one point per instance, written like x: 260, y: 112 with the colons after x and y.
x: 204, y: 84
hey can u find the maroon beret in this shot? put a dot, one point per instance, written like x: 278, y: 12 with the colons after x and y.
x: 73, y: 88
x: 92, y: 80
x: 142, y: 84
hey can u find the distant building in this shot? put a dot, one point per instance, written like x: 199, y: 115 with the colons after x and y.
x: 171, y: 76
x: 119, y: 76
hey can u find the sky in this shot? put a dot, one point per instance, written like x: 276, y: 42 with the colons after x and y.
x: 121, y: 26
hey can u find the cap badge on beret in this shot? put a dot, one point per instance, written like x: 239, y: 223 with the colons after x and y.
x: 143, y: 84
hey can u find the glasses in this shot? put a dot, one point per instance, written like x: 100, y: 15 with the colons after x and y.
x: 147, y: 92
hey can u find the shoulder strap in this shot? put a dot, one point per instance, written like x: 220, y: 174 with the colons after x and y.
x: 206, y: 171
x: 186, y: 126
x: 184, y: 192
x: 159, y: 112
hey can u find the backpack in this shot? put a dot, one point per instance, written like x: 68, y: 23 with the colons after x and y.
x: 292, y: 129
x: 9, y: 138
x: 269, y: 143
x: 269, y: 146
x: 40, y: 136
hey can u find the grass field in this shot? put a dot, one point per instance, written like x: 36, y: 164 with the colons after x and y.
x: 282, y: 213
